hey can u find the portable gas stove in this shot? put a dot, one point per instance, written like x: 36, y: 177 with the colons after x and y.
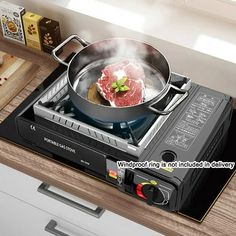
x: 196, y: 130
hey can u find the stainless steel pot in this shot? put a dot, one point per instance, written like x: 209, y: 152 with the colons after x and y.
x: 85, y: 68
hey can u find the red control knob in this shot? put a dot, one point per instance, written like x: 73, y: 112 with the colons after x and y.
x: 139, y: 190
x: 150, y: 193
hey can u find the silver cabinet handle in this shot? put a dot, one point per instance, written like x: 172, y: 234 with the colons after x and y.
x: 51, y: 228
x: 44, y: 189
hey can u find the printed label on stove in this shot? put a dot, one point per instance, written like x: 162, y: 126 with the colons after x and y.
x: 192, y: 121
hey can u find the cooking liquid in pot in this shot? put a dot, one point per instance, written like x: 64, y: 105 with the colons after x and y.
x: 88, y: 76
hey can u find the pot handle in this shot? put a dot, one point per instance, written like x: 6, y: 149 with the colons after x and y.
x: 83, y: 42
x: 184, y: 93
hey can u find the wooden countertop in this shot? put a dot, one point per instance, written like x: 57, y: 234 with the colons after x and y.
x: 221, y: 220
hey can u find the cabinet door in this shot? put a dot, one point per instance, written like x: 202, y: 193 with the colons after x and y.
x: 66, y: 206
x: 20, y: 219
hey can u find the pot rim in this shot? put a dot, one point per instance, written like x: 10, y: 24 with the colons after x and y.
x: 154, y: 100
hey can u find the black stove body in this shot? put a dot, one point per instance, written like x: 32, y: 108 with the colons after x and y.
x: 194, y: 131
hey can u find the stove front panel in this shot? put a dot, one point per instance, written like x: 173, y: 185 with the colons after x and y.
x: 62, y: 146
x: 143, y: 186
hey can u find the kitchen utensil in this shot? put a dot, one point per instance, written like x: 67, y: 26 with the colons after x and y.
x: 85, y: 68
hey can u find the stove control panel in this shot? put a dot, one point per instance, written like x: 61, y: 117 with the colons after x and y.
x: 142, y: 185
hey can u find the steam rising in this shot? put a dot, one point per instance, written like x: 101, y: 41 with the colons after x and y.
x: 106, y: 52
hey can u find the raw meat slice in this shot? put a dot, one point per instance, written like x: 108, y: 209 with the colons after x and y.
x: 134, y: 74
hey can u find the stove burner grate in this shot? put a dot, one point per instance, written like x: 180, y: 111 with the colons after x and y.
x: 131, y: 137
x: 132, y: 131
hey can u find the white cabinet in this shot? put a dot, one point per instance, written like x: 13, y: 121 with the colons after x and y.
x: 66, y: 207
x: 20, y: 219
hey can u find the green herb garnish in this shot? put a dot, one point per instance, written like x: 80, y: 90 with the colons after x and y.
x: 120, y: 86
